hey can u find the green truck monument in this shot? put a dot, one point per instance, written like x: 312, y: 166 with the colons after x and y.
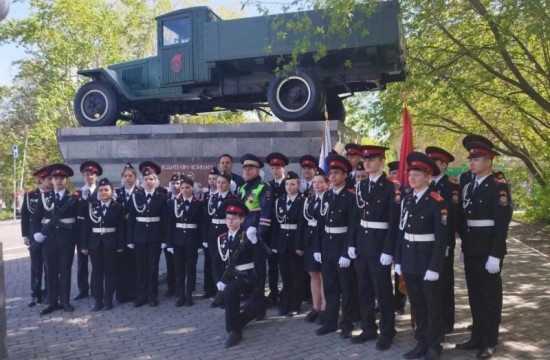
x: 205, y: 64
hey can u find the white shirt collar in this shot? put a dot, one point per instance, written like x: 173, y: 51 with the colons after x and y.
x: 479, y: 181
x: 292, y: 197
x: 61, y: 193
x: 107, y: 203
x: 436, y: 179
x: 149, y: 193
x: 188, y: 199
x: 229, y: 233
x: 420, y: 193
x: 129, y: 191
x: 224, y: 194
x: 375, y: 179
x: 337, y: 191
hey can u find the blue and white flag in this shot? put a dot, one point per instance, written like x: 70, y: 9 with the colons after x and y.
x: 326, y: 147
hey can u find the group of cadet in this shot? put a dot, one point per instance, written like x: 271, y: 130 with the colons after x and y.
x: 340, y: 233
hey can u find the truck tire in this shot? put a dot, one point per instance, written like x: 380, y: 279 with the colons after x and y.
x: 296, y: 96
x: 335, y: 107
x: 96, y: 104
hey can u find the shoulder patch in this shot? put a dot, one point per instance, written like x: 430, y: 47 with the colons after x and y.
x: 444, y: 216
x: 397, y: 197
x: 436, y: 196
x: 500, y: 180
x: 455, y: 198
x: 503, y: 198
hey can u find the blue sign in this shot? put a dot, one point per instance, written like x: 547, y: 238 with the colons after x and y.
x: 15, y: 151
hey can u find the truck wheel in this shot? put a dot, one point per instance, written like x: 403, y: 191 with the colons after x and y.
x: 298, y: 95
x: 96, y: 104
x: 335, y: 107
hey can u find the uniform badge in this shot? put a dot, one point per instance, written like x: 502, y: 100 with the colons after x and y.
x: 397, y: 197
x: 456, y: 198
x: 444, y: 216
x: 503, y: 198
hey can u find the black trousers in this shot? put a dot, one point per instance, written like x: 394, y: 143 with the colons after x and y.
x: 485, y: 297
x: 425, y: 298
x: 126, y: 285
x: 338, y: 282
x: 292, y: 274
x: 273, y: 273
x: 37, y: 269
x: 209, y: 286
x: 170, y: 271
x: 448, y: 291
x: 185, y: 260
x: 260, y: 266
x: 104, y: 269
x: 374, y: 282
x: 399, y: 299
x: 59, y: 261
x: 147, y: 270
x: 235, y: 319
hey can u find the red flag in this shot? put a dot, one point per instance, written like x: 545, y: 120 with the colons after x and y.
x: 406, y: 148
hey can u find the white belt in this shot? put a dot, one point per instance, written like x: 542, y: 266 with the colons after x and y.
x: 419, y: 237
x: 65, y: 220
x: 336, y: 229
x: 103, y: 230
x: 186, y: 226
x: 244, y: 267
x: 219, y: 221
x: 312, y: 222
x: 374, y: 225
x: 289, y: 226
x: 481, y: 223
x: 148, y: 219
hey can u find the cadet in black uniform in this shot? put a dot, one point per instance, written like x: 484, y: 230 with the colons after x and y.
x: 277, y: 163
x: 126, y: 260
x: 209, y: 286
x: 310, y: 231
x: 466, y: 177
x: 102, y: 238
x: 354, y: 155
x: 173, y: 193
x: 372, y: 244
x: 59, y: 242
x: 420, y: 253
x: 226, y: 166
x: 90, y: 171
x: 185, y: 232
x: 146, y: 233
x: 487, y: 214
x: 309, y: 165
x: 243, y: 241
x: 30, y: 201
x: 399, y: 297
x: 288, y: 214
x: 331, y: 249
x: 257, y: 196
x: 450, y: 191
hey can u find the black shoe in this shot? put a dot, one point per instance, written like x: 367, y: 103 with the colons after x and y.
x: 312, y: 316
x: 169, y: 293
x: 363, y: 338
x: 140, y: 303
x: 39, y: 299
x: 323, y: 330
x: 273, y: 299
x: 262, y: 315
x: 208, y: 295
x: 433, y: 353
x: 108, y: 306
x: 154, y: 303
x: 33, y: 303
x: 468, y: 345
x: 486, y: 352
x: 67, y: 307
x: 419, y: 351
x: 345, y: 334
x: 214, y: 305
x: 80, y: 296
x: 97, y: 307
x: 180, y: 302
x: 400, y: 311
x: 189, y: 300
x: 50, y: 309
x: 234, y: 338
x: 283, y: 312
x: 383, y: 344
x: 322, y: 317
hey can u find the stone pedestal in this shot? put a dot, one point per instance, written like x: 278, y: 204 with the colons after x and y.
x: 3, y: 320
x: 193, y: 148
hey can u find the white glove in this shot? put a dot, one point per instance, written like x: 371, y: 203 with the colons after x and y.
x: 386, y: 259
x: 131, y: 246
x: 205, y: 245
x: 170, y: 250
x: 492, y: 265
x: 163, y: 245
x: 431, y: 276
x: 251, y: 234
x: 461, y: 257
x: 398, y: 269
x: 344, y: 262
x: 351, y: 252
x: 220, y: 285
x: 447, y: 251
x: 317, y: 256
x: 39, y: 237
x: 233, y: 186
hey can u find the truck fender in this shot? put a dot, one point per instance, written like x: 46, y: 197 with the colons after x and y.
x: 111, y: 77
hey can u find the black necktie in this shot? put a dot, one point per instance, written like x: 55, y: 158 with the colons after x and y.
x: 307, y: 186
x: 317, y: 202
x: 148, y: 198
x: 371, y: 186
x: 415, y: 198
x: 230, y: 239
x: 432, y: 183
x: 186, y: 203
x: 127, y: 196
x: 104, y: 209
x: 289, y: 202
x: 475, y: 186
x: 57, y: 198
x: 86, y: 193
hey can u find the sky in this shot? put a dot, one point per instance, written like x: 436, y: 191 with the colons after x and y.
x: 10, y: 52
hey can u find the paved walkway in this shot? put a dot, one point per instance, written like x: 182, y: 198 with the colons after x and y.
x: 198, y: 332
